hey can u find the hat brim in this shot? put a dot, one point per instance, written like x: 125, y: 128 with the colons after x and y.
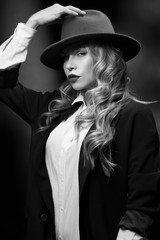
x: 129, y: 47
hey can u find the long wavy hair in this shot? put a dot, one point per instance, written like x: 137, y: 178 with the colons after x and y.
x: 104, y: 101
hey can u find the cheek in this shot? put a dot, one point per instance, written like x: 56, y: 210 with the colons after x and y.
x: 88, y: 67
x: 89, y: 71
x: 89, y: 80
x: 64, y: 68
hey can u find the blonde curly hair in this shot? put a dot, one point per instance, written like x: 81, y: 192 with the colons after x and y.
x: 104, y: 101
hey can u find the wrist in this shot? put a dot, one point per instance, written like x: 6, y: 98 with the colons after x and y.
x: 32, y: 23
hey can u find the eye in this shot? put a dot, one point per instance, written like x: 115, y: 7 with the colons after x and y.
x: 82, y: 53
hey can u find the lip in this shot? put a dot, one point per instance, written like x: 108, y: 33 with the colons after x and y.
x: 73, y: 78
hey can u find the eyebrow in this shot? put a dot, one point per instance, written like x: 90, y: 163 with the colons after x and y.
x: 66, y: 52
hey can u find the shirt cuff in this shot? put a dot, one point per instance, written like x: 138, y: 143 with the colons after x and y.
x: 23, y: 34
x: 129, y: 235
x: 14, y: 50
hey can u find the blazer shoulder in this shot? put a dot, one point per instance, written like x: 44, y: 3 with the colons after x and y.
x: 137, y: 118
x: 137, y: 113
x: 133, y: 108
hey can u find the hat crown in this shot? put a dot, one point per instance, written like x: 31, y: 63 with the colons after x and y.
x: 93, y: 25
x: 93, y: 21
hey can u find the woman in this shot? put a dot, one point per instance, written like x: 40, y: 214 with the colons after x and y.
x: 93, y: 170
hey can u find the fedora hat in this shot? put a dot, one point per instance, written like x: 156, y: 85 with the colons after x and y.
x: 93, y: 25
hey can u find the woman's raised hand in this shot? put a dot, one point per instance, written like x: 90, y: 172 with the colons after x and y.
x: 50, y: 14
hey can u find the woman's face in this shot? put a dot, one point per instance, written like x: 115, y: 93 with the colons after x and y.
x: 78, y: 65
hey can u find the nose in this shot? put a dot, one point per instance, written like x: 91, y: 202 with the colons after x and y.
x: 70, y: 64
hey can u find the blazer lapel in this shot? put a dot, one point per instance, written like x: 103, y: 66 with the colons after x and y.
x: 40, y: 165
x: 84, y: 168
x: 83, y: 173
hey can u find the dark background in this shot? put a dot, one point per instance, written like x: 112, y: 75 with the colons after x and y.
x: 138, y: 18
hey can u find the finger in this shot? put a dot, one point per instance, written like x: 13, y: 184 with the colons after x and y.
x: 75, y: 10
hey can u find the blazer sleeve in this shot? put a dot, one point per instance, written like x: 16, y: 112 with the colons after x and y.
x: 143, y: 180
x: 27, y: 103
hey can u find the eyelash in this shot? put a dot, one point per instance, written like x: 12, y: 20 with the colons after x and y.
x: 65, y: 57
x: 81, y: 53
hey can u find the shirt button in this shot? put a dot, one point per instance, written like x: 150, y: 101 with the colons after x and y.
x: 62, y: 209
x: 43, y: 217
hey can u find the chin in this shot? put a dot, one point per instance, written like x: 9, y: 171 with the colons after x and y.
x: 77, y: 88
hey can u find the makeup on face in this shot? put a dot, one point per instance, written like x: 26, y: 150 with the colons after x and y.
x: 78, y: 65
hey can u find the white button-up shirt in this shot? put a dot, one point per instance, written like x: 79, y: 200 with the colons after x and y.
x: 62, y: 160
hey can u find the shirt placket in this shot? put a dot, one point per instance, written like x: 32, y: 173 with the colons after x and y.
x: 61, y: 192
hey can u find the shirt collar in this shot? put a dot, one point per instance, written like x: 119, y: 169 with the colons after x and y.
x: 80, y: 98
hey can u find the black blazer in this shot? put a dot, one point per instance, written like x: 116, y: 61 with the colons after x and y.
x: 129, y: 198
